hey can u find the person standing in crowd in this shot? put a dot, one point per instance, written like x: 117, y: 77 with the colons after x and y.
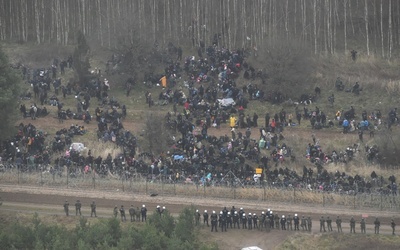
x: 362, y: 225
x: 205, y: 218
x: 132, y: 213
x: 322, y: 224
x: 329, y: 224
x: 66, y: 208
x: 115, y: 211
x: 352, y: 225
x: 122, y: 212
x: 377, y: 224
x: 339, y: 224
x: 197, y: 217
x: 214, y: 222
x: 78, y: 207
x: 144, y: 212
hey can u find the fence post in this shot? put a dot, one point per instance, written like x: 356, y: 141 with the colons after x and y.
x: 67, y: 175
x: 264, y: 192
x: 18, y: 172
x: 294, y: 194
x: 41, y: 176
x: 94, y: 179
x: 323, y: 198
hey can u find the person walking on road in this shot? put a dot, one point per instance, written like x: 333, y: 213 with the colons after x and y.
x: 93, y: 209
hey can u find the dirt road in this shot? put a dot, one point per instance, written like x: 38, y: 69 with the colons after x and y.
x: 27, y: 199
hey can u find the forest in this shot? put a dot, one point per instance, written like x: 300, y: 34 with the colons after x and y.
x: 326, y: 26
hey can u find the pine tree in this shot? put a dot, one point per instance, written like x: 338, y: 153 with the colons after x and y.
x: 81, y: 59
x: 9, y: 92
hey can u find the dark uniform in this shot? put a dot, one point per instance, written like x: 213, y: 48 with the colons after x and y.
x: 197, y: 217
x: 132, y: 213
x: 296, y: 220
x: 222, y: 221
x: 255, y: 221
x: 352, y: 225
x: 277, y: 220
x: 78, y: 206
x: 249, y: 221
x: 322, y: 224
x: 271, y: 220
x: 229, y: 220
x: 303, y: 223
x: 93, y: 209
x: 329, y: 223
x: 241, y: 212
x: 66, y: 208
x: 393, y: 225
x: 143, y: 211
x: 236, y: 220
x: 289, y: 223
x: 362, y: 226
x: 263, y: 221
x: 122, y: 212
x: 214, y: 221
x: 115, y: 211
x: 205, y: 218
x: 309, y: 223
x: 339, y: 224
x: 244, y: 222
x: 283, y: 222
x: 377, y: 224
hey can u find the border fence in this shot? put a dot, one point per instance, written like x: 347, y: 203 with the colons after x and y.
x: 166, y: 187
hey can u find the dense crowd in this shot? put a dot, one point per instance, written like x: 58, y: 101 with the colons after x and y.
x: 208, y: 98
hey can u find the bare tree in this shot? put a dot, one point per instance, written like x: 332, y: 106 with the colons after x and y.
x: 366, y: 24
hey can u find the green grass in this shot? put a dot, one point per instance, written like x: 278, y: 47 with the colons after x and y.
x: 340, y: 241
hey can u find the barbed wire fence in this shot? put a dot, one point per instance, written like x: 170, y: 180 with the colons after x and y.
x: 165, y: 186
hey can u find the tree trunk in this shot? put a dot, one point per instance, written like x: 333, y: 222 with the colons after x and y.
x: 382, y: 39
x: 390, y: 34
x: 366, y: 24
x: 345, y: 25
x: 315, y: 27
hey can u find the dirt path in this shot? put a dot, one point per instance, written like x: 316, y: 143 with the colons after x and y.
x: 54, y: 198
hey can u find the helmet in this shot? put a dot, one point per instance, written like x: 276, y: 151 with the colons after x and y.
x: 229, y: 212
x: 197, y: 210
x: 213, y: 212
x: 295, y: 215
x: 143, y: 205
x: 220, y: 212
x: 269, y: 210
x: 205, y: 211
x: 254, y: 214
x: 235, y: 212
x: 249, y: 213
x: 262, y: 212
x: 163, y: 207
x: 283, y: 216
x: 241, y: 208
x: 158, y: 206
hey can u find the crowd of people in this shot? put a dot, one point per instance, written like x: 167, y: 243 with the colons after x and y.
x: 240, y: 219
x: 208, y: 98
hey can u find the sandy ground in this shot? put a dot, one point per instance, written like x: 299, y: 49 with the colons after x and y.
x: 49, y: 201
